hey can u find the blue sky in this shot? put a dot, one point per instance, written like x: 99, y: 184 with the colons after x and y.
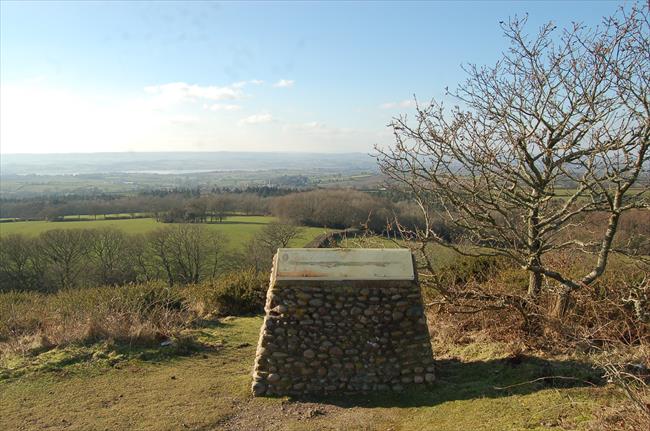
x: 319, y: 77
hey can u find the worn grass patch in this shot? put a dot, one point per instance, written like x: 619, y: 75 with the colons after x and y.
x: 202, y: 382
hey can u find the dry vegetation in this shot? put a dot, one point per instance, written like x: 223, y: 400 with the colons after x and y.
x: 146, y: 313
x: 607, y: 328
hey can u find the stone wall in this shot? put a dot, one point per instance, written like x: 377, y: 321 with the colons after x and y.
x: 347, y: 336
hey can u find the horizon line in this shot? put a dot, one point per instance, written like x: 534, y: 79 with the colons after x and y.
x: 184, y: 151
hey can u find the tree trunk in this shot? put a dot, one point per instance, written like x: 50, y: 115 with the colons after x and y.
x: 534, y: 285
x: 561, y: 304
x: 533, y: 324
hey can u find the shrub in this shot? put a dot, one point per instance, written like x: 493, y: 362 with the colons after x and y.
x: 236, y: 293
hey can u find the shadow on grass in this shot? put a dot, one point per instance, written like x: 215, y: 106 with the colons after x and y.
x: 457, y: 380
x: 199, y: 341
x: 114, y: 352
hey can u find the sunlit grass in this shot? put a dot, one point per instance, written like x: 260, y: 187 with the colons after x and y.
x: 236, y: 229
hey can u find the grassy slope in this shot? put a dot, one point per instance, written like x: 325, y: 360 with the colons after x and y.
x: 209, y: 389
x: 441, y: 256
x: 238, y: 229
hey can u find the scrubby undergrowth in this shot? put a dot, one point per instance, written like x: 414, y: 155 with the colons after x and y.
x: 135, y: 314
x: 606, y: 328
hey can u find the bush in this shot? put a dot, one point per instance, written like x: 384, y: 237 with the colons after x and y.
x: 464, y: 269
x: 236, y: 293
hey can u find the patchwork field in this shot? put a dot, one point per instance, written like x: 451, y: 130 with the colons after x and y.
x: 205, y: 386
x: 238, y: 229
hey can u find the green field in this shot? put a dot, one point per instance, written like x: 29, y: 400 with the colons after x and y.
x: 112, y: 387
x: 237, y: 229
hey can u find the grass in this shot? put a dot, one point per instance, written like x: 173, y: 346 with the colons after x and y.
x: 441, y: 256
x: 105, y: 216
x: 34, y: 228
x: 238, y: 229
x: 206, y: 386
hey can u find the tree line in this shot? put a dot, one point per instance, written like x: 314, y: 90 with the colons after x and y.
x: 333, y: 208
x: 178, y: 254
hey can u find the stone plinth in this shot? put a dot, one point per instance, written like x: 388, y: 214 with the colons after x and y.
x: 342, y: 321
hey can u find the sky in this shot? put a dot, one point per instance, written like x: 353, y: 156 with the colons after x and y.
x: 245, y: 76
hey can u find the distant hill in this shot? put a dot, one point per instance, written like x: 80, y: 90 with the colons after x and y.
x: 180, y: 162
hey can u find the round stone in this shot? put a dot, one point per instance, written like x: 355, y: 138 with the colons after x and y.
x: 259, y: 388
x: 336, y: 351
x: 309, y: 354
x: 273, y: 377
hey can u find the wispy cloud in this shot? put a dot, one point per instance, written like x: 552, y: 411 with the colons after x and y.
x: 182, y: 90
x: 165, y: 96
x: 256, y: 119
x: 403, y: 104
x: 222, y: 107
x: 241, y: 84
x: 284, y: 83
x: 168, y: 95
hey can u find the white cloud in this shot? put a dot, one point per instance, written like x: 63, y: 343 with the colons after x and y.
x: 241, y: 84
x: 256, y: 119
x: 166, y: 96
x: 284, y: 83
x: 403, y: 104
x: 179, y: 92
x: 222, y: 107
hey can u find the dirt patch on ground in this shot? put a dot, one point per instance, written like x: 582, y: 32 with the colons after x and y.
x: 253, y: 416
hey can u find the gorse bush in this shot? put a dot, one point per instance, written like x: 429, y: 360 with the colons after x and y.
x: 236, y: 293
x: 241, y: 293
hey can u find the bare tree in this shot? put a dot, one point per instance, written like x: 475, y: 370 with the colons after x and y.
x: 195, y: 252
x: 259, y: 251
x: 186, y: 252
x: 20, y: 265
x: 277, y: 235
x: 221, y: 205
x: 558, y: 128
x: 159, y: 252
x: 66, y: 254
x: 111, y: 250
